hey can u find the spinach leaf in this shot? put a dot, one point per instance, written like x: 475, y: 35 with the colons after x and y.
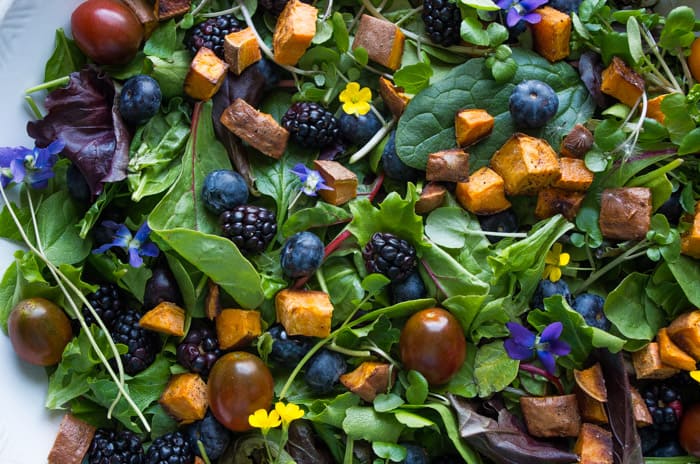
x: 427, y: 125
x: 362, y: 422
x: 61, y: 243
x: 163, y: 42
x: 344, y: 285
x: 65, y: 59
x: 464, y: 382
x: 170, y: 72
x: 687, y: 273
x: 322, y: 214
x: 494, y: 369
x: 631, y: 310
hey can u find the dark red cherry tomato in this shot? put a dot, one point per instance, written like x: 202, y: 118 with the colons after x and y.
x: 239, y: 384
x: 432, y: 342
x: 39, y: 331
x: 107, y: 31
x: 689, y: 430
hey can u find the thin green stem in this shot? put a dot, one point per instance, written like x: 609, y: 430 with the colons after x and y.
x: 612, y: 264
x: 348, y: 351
x: 655, y: 49
x: 214, y: 14
x: 48, y: 85
x: 33, y: 106
x: 369, y: 146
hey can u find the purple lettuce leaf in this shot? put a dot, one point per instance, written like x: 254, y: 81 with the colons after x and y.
x: 84, y: 115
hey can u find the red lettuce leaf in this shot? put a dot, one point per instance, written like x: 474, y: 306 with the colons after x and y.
x: 84, y: 115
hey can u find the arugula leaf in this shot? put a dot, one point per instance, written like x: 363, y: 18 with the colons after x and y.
x: 65, y: 59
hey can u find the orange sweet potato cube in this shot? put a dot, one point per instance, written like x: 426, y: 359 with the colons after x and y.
x: 654, y: 108
x: 241, y: 50
x: 685, y: 332
x: 594, y: 445
x: 143, y: 9
x: 551, y: 416
x: 551, y: 35
x: 690, y: 240
x: 369, y: 379
x: 622, y: 82
x: 648, y: 365
x: 304, y: 312
x: 451, y: 165
x: 294, y: 31
x: 342, y: 180
x: 527, y: 164
x: 393, y: 96
x: 236, y: 328
x: 382, y: 39
x: 575, y: 176
x: 166, y: 9
x: 205, y: 76
x: 185, y: 397
x: 472, y: 125
x: 552, y: 201
x: 431, y: 197
x: 166, y: 318
x: 257, y: 129
x: 640, y: 411
x: 672, y: 355
x: 483, y: 193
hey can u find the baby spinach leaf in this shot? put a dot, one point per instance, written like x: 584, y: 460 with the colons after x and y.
x: 365, y: 423
x: 687, y: 273
x: 631, y: 310
x: 427, y: 125
x: 59, y: 238
x: 65, y: 59
x: 494, y: 369
x: 163, y: 42
x: 170, y: 72
x: 322, y: 214
x: 414, y: 77
x: 464, y: 382
x: 446, y: 277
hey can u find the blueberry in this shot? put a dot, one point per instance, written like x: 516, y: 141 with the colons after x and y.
x: 78, y: 187
x: 505, y: 221
x: 287, y: 350
x: 213, y: 435
x: 412, y: 288
x: 672, y: 208
x: 415, y: 454
x: 223, y: 190
x: 301, y: 255
x: 394, y: 168
x: 547, y: 288
x: 590, y: 306
x: 323, y: 371
x: 532, y: 104
x: 357, y: 130
x: 565, y: 6
x: 139, y: 99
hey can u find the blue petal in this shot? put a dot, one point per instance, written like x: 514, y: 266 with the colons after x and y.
x: 18, y: 171
x: 103, y: 248
x: 122, y: 236
x: 134, y: 258
x: 521, y: 335
x: 517, y: 351
x: 530, y: 5
x: 55, y: 147
x: 301, y: 171
x: 559, y: 347
x: 532, y: 18
x: 547, y: 361
x: 8, y: 154
x: 552, y: 332
x: 143, y: 232
x: 503, y: 4
x: 149, y: 249
x: 512, y: 17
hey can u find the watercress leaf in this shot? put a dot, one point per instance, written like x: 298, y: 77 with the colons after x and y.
x: 65, y: 59
x: 332, y: 411
x: 163, y: 41
x: 472, y: 31
x: 687, y: 273
x: 613, y: 43
x: 322, y: 214
x: 385, y: 402
x: 365, y: 423
x: 503, y: 71
x: 324, y: 31
x: 413, y: 77
x: 608, y: 135
x: 340, y: 32
x: 170, y: 72
x: 417, y: 390
x: 677, y: 117
x: 690, y: 143
x: 498, y: 34
x: 631, y: 311
x: 361, y: 55
x: 60, y: 241
x: 390, y: 451
x: 678, y: 29
x: 411, y: 420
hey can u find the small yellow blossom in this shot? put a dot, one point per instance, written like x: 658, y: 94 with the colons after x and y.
x: 554, y: 261
x: 260, y: 419
x: 288, y: 412
x: 695, y: 375
x: 355, y: 99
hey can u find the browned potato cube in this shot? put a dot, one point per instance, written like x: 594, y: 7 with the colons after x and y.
x: 594, y: 445
x: 431, y: 197
x: 304, y: 312
x: 483, y: 193
x: 671, y: 354
x: 259, y: 130
x: 625, y: 213
x: 294, y: 31
x: 185, y: 397
x: 577, y: 142
x: 72, y: 441
x: 393, y: 96
x: 575, y: 176
x: 166, y: 9
x: 591, y: 393
x: 205, y: 76
x: 551, y: 416
x: 591, y: 410
x: 551, y: 35
x: 647, y: 364
x: 685, y: 332
x: 369, y: 379
x: 472, y: 125
x: 448, y: 166
x: 241, y: 50
x: 382, y: 39
x: 640, y: 411
x: 236, y: 328
x: 212, y: 302
x: 654, y: 109
x: 145, y: 14
x: 552, y: 201
x: 527, y: 164
x: 166, y: 318
x: 690, y: 240
x: 342, y: 180
x: 622, y: 82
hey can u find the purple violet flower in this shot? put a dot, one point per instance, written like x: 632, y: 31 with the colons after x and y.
x: 311, y: 180
x: 31, y: 166
x: 523, y: 344
x: 139, y: 245
x: 521, y: 10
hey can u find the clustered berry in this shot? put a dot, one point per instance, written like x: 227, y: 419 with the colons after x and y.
x: 211, y: 33
x: 442, y: 21
x: 107, y: 303
x: 311, y: 125
x: 200, y: 349
x: 110, y: 446
x: 142, y: 344
x: 251, y: 228
x: 389, y: 255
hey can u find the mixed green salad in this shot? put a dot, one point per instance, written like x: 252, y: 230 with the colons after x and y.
x: 196, y: 286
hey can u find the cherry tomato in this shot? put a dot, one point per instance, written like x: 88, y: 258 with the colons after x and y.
x: 689, y: 430
x: 694, y: 59
x: 239, y: 384
x: 432, y: 342
x: 39, y: 331
x: 107, y: 31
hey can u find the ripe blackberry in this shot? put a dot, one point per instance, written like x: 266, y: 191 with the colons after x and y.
x: 200, y: 349
x: 442, y: 21
x: 110, y: 446
x: 665, y: 405
x: 310, y: 125
x: 387, y: 254
x: 251, y: 228
x: 142, y: 344
x: 172, y: 448
x: 107, y: 302
x: 275, y: 7
x: 211, y: 33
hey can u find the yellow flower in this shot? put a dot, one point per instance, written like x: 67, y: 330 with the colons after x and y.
x: 554, y: 261
x: 695, y: 375
x: 288, y: 412
x: 260, y: 419
x: 355, y: 99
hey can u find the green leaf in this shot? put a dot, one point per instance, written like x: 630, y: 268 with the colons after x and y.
x: 390, y: 451
x: 385, y: 402
x: 472, y: 31
x: 417, y: 390
x: 93, y: 213
x: 411, y: 420
x: 634, y: 40
x: 340, y: 32
x: 170, y: 72
x: 332, y: 411
x: 361, y: 55
x: 678, y: 29
x: 631, y: 311
x: 344, y: 285
x: 366, y: 424
x: 324, y: 31
x: 690, y: 143
x: 687, y: 272
x: 485, y: 5
x: 9, y: 288
x: 414, y: 77
x: 677, y: 117
x: 65, y: 59
x: 322, y: 214
x: 163, y: 41
x: 60, y: 241
x: 494, y: 369
x: 448, y: 277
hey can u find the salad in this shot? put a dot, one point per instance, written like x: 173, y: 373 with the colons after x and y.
x: 362, y: 231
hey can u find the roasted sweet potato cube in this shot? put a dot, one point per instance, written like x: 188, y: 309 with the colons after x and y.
x: 212, y: 302
x: 369, y: 379
x: 625, y: 213
x: 575, y: 176
x: 591, y: 410
x: 672, y: 355
x: 166, y: 9
x: 622, y: 82
x: 304, y: 312
x: 685, y: 332
x: 551, y: 416
x: 205, y: 76
x: 342, y: 180
x: 690, y: 240
x: 450, y: 165
x: 654, y: 108
x: 145, y: 14
x: 527, y: 164
x: 236, y: 328
x: 72, y: 441
x: 294, y: 31
x: 382, y: 39
x: 483, y: 193
x: 166, y: 318
x: 259, y: 130
x: 552, y: 201
x: 594, y: 445
x: 647, y: 364
x: 431, y: 197
x: 577, y: 142
x: 241, y: 50
x: 185, y: 397
x: 394, y: 97
x: 551, y: 35
x: 640, y: 411
x: 592, y: 382
x: 472, y: 125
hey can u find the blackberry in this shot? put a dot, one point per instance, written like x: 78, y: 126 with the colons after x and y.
x: 200, y: 349
x: 142, y: 344
x: 387, y: 254
x: 172, y: 448
x: 665, y: 405
x: 442, y: 21
x: 107, y: 302
x: 251, y: 228
x: 311, y: 125
x: 211, y: 33
x: 110, y: 446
